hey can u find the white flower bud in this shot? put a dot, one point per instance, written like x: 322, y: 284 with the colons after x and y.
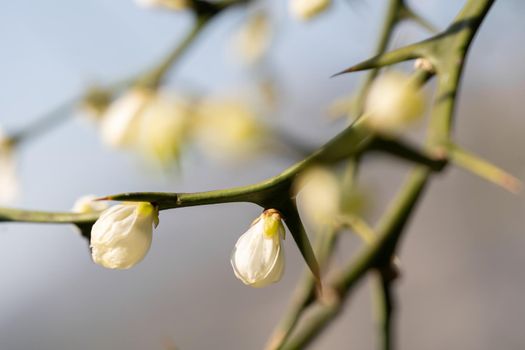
x: 393, y: 103
x: 176, y: 5
x: 258, y: 258
x: 88, y: 204
x: 8, y: 177
x: 122, y: 235
x: 121, y: 122
x: 307, y: 9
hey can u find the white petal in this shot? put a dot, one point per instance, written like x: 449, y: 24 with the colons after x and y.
x: 122, y: 236
x: 307, y: 9
x: 258, y: 260
x: 393, y: 103
x: 120, y: 123
x: 8, y: 179
x: 163, y: 128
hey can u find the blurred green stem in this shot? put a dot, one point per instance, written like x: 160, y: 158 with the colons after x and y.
x: 385, y: 309
x: 150, y: 79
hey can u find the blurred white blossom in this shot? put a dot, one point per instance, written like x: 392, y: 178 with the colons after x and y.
x: 88, y: 204
x: 227, y: 129
x: 258, y: 257
x: 307, y: 9
x: 121, y: 122
x: 8, y: 175
x: 393, y: 103
x: 253, y: 39
x: 319, y: 196
x: 164, y: 124
x: 176, y: 5
x: 122, y: 235
x: 154, y: 123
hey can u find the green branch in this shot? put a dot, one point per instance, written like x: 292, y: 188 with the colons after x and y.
x: 152, y: 78
x: 391, y: 227
x: 386, y: 307
x: 374, y: 255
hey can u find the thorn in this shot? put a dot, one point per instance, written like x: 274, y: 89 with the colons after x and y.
x: 484, y: 169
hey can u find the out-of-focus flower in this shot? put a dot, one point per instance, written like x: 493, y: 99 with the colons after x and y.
x: 320, y: 195
x: 121, y: 122
x: 258, y: 258
x: 253, y: 39
x: 89, y: 204
x: 307, y: 9
x: 154, y: 123
x: 227, y: 129
x: 8, y: 176
x: 393, y: 103
x: 122, y: 235
x: 164, y: 126
x: 176, y: 5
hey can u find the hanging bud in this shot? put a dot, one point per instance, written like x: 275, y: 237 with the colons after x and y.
x: 307, y: 9
x: 121, y: 122
x: 122, y: 235
x: 393, y: 103
x: 258, y: 258
x: 89, y: 204
x: 253, y: 39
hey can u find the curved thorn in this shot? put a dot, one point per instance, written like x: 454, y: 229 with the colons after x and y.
x: 402, y: 54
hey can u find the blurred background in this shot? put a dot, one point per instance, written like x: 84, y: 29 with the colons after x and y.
x: 462, y: 258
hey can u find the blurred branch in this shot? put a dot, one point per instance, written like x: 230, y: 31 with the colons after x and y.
x: 152, y: 78
x: 483, y: 169
x: 304, y: 294
x: 45, y: 123
x: 389, y: 231
x: 394, y: 221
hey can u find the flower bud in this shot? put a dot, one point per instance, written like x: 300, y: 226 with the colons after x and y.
x: 88, y: 204
x: 393, y: 103
x: 122, y: 235
x: 121, y: 122
x: 307, y: 9
x: 258, y: 258
x: 8, y: 177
